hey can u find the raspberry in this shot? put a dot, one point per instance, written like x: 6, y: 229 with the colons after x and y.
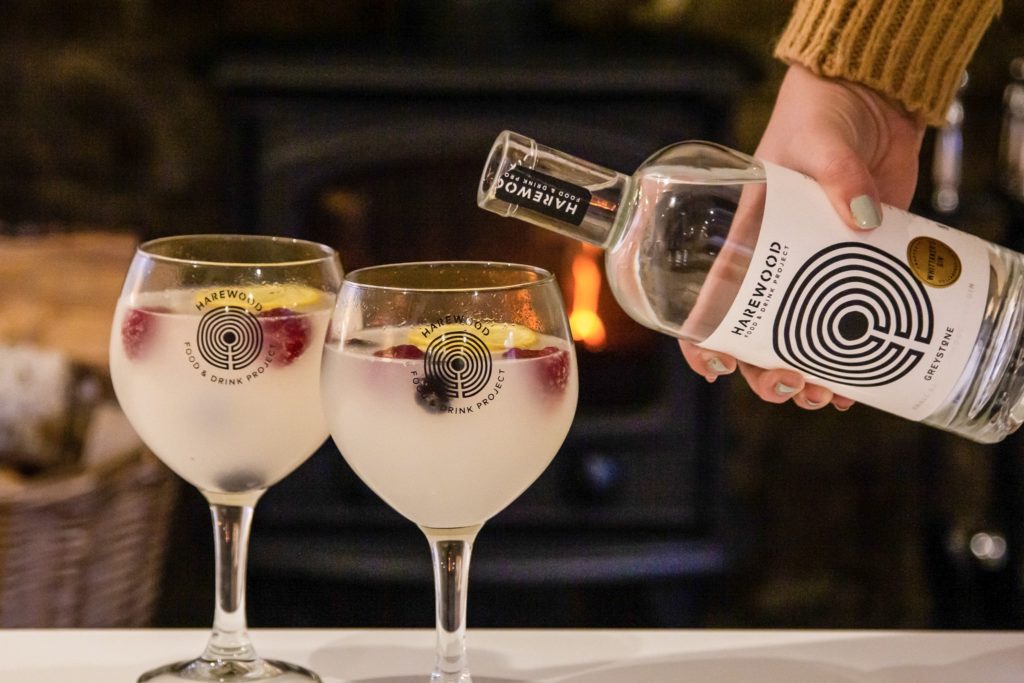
x: 404, y: 351
x: 554, y: 366
x: 287, y: 332
x: 137, y: 327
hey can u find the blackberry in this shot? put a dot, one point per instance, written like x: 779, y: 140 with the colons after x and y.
x: 432, y: 395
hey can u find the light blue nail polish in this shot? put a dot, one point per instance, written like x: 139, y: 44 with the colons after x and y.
x: 716, y: 365
x: 784, y: 389
x: 865, y: 212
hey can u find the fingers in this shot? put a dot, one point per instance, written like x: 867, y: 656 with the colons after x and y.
x: 779, y: 386
x: 708, y: 364
x: 844, y: 176
x: 850, y: 188
x: 831, y: 131
x: 773, y: 386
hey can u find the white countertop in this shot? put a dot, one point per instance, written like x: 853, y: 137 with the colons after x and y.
x: 548, y: 656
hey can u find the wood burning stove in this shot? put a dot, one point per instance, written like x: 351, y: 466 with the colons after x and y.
x: 379, y: 155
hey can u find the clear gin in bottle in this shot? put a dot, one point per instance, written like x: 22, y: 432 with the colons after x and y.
x: 747, y: 258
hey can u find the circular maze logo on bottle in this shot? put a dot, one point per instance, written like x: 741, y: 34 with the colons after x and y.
x: 856, y: 315
x: 458, y: 376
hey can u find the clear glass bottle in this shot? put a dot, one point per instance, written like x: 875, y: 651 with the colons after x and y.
x: 710, y: 245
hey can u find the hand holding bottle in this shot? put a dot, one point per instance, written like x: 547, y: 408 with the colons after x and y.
x: 863, y: 150
x: 750, y: 260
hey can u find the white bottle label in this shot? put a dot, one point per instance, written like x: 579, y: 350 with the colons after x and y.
x: 887, y: 317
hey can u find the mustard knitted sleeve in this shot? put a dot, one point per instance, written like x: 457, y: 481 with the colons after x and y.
x: 913, y: 51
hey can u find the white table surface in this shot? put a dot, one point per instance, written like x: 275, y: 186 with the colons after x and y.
x: 514, y: 656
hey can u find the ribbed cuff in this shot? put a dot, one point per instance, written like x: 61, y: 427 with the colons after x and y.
x: 912, y: 51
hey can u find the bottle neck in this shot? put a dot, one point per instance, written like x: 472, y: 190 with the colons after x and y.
x: 549, y: 188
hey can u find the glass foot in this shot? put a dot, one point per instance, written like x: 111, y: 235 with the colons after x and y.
x: 451, y: 677
x: 230, y: 671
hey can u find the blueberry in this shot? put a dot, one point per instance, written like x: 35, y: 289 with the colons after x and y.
x: 237, y: 482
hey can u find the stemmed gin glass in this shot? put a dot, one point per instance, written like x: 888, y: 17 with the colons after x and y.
x: 448, y: 388
x: 215, y: 358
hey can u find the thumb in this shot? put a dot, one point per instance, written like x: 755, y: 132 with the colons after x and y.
x: 850, y: 187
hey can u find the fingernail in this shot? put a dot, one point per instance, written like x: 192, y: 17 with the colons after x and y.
x: 716, y: 365
x: 842, y: 409
x: 865, y: 212
x: 814, y: 404
x: 784, y: 389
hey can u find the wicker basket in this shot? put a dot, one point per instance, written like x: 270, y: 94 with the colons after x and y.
x: 85, y: 549
x: 82, y: 543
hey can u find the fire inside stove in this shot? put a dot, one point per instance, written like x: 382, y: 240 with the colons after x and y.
x: 584, y: 319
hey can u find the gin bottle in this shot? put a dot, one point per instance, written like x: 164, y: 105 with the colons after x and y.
x: 744, y: 257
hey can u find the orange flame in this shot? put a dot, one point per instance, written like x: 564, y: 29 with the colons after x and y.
x: 585, y: 323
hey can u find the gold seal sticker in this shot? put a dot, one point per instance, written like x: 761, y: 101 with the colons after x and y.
x: 933, y: 262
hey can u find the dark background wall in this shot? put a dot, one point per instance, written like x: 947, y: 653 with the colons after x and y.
x: 109, y: 118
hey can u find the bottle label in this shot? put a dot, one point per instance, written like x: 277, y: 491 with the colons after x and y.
x: 544, y: 194
x: 887, y: 317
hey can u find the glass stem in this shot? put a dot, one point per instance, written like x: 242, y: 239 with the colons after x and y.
x: 231, y: 524
x: 451, y: 549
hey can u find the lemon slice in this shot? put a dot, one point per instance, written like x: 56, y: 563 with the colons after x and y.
x: 286, y: 296
x: 260, y: 297
x: 498, y: 337
x: 510, y: 335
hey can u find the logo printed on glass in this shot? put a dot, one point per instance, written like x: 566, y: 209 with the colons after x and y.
x: 460, y: 362
x: 458, y: 375
x: 229, y: 338
x: 854, y: 314
x: 234, y: 343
